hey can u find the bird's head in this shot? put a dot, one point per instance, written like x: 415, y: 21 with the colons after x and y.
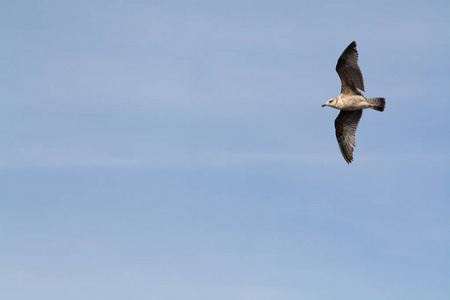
x: 331, y: 102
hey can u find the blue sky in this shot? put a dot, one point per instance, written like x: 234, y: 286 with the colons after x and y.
x: 172, y: 150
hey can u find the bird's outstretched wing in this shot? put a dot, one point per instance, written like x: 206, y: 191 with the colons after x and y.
x: 349, y: 72
x: 346, y: 124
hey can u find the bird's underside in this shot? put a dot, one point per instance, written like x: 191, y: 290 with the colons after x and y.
x: 346, y: 122
x: 351, y: 102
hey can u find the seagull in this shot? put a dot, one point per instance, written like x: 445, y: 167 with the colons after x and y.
x: 350, y: 101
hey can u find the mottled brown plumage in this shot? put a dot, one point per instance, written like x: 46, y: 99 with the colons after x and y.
x: 349, y: 72
x: 346, y: 124
x: 351, y: 102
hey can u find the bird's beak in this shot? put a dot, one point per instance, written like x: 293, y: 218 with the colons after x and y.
x: 324, y: 105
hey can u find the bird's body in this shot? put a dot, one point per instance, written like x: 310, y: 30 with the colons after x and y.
x: 350, y: 101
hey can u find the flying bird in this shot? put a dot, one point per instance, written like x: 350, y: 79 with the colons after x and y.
x: 350, y: 101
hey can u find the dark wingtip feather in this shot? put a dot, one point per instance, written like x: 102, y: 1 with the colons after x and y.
x: 351, y: 46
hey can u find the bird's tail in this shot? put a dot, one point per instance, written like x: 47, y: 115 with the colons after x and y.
x: 377, y: 103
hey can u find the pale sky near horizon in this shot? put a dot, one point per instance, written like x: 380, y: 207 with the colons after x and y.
x: 177, y: 150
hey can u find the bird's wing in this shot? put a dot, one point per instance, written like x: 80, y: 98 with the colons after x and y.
x: 349, y: 72
x: 346, y: 124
